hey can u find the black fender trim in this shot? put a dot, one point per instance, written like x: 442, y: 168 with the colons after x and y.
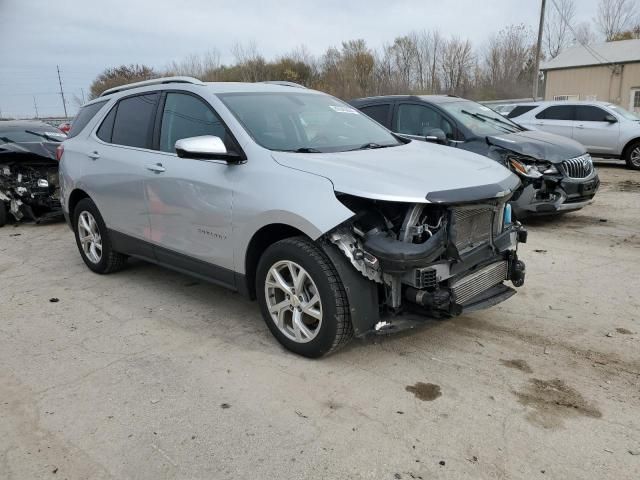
x: 362, y: 293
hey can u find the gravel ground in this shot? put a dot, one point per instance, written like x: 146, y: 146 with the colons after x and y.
x: 149, y: 374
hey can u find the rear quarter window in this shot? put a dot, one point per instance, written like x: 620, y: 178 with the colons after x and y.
x: 84, y: 116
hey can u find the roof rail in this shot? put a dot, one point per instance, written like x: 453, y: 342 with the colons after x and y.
x: 283, y: 83
x: 153, y: 81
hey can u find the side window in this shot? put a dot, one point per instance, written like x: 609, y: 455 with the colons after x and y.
x: 588, y: 113
x: 557, y: 112
x: 380, y: 113
x: 187, y: 116
x: 83, y: 117
x: 106, y: 128
x: 418, y: 120
x: 133, y: 122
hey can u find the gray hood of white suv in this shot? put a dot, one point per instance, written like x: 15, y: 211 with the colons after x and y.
x: 417, y: 172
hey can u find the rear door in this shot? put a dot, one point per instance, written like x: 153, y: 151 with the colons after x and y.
x: 189, y: 199
x: 593, y: 131
x: 118, y: 165
x: 558, y: 119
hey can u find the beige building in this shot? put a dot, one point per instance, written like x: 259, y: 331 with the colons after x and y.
x: 609, y: 72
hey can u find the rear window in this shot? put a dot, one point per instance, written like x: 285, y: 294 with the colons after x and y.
x: 84, y: 116
x: 557, y: 112
x: 520, y: 110
x: 133, y: 123
x: 380, y: 113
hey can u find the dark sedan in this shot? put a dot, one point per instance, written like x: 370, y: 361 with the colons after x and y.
x: 557, y: 174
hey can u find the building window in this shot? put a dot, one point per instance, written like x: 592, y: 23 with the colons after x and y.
x: 636, y: 99
x: 566, y: 97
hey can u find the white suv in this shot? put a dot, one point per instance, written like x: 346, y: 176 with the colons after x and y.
x: 605, y: 129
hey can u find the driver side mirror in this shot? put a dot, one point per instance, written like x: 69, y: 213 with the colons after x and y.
x: 205, y: 147
x: 610, y: 118
x: 436, y: 135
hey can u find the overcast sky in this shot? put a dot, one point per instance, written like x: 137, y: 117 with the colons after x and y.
x: 86, y: 36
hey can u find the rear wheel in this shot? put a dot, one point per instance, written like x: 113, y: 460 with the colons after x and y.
x: 92, y: 238
x: 302, y: 298
x: 633, y: 156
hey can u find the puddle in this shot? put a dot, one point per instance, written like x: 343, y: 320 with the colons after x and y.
x: 626, y: 186
x: 624, y: 331
x: 425, y: 391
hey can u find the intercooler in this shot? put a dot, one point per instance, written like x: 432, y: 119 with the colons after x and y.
x: 475, y: 283
x: 472, y: 227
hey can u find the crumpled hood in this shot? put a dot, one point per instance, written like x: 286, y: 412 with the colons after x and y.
x: 539, y: 145
x: 44, y: 151
x: 408, y: 173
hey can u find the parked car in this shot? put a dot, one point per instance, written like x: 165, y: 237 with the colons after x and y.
x: 29, y: 170
x: 65, y: 127
x: 557, y: 173
x: 503, y: 109
x: 605, y: 129
x: 335, y: 224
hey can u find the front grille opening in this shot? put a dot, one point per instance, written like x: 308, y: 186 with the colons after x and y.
x: 579, y: 167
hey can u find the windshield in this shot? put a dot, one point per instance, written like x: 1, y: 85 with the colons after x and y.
x: 305, y: 122
x: 624, y: 113
x: 35, y: 134
x: 481, y: 120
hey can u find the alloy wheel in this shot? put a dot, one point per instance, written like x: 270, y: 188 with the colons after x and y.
x: 90, y: 238
x: 635, y: 157
x: 293, y: 301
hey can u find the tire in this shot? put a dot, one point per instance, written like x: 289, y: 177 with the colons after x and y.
x: 3, y: 213
x: 632, y: 156
x: 86, y: 216
x: 327, y: 324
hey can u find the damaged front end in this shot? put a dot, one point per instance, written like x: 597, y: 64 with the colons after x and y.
x: 427, y: 259
x: 29, y: 186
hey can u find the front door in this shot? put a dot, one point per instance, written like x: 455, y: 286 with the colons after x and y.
x: 189, y: 199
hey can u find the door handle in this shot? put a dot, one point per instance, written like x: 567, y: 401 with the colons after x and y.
x: 94, y: 155
x: 579, y: 126
x: 155, y: 167
x: 538, y: 123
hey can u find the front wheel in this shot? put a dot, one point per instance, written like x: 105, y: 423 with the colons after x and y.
x: 302, y: 298
x: 633, y: 156
x: 92, y: 238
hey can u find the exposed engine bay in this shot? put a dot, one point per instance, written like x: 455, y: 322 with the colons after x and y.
x: 30, y: 189
x: 29, y: 183
x: 434, y: 259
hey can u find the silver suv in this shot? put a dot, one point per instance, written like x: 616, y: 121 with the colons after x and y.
x: 605, y: 129
x: 336, y: 225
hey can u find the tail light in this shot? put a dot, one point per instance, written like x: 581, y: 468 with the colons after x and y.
x: 59, y: 152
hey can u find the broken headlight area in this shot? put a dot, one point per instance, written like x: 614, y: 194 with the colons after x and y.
x: 436, y: 260
x: 30, y: 190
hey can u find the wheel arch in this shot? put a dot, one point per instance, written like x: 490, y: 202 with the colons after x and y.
x: 260, y: 241
x: 628, y: 146
x: 75, y: 196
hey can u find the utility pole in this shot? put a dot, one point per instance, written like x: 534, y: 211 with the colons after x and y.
x: 35, y: 105
x: 536, y: 79
x: 82, y: 91
x: 64, y: 103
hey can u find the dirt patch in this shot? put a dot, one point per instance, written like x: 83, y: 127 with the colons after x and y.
x: 425, y: 391
x: 518, y: 365
x: 624, y: 331
x: 554, y: 400
x: 627, y: 186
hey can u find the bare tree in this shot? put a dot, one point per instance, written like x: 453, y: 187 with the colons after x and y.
x: 557, y: 27
x: 584, y: 34
x: 205, y: 67
x: 616, y: 16
x: 456, y: 62
x: 116, y: 76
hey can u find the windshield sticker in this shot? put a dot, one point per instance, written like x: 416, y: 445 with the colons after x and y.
x: 341, y: 109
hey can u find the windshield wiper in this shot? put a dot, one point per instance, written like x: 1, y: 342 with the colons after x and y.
x: 305, y: 150
x: 370, y: 146
x: 44, y: 135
